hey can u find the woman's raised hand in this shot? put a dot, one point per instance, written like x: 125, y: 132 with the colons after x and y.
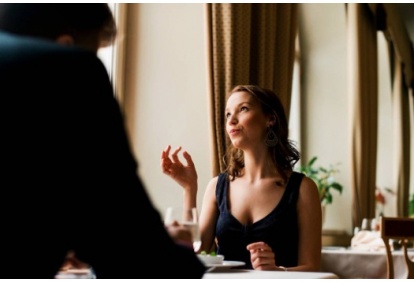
x: 184, y: 175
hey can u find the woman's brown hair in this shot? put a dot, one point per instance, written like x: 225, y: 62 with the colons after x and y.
x: 284, y: 154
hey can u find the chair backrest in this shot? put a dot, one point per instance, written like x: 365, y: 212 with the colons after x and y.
x: 397, y: 228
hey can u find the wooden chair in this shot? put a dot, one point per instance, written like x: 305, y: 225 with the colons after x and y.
x: 402, y: 229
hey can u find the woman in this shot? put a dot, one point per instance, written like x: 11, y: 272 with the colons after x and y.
x: 258, y: 210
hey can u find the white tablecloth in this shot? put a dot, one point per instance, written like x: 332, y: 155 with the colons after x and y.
x: 223, y: 274
x: 349, y: 264
x: 257, y: 274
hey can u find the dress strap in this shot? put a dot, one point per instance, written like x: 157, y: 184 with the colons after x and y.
x: 221, y: 191
x: 293, y: 186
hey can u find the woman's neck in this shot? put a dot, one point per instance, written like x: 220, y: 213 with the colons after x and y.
x: 258, y: 165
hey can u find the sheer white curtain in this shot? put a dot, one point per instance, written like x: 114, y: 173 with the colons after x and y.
x: 295, y: 102
x: 106, y: 54
x: 113, y: 56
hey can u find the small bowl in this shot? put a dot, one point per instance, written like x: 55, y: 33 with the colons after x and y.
x: 211, y: 259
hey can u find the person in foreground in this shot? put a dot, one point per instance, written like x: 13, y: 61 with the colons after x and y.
x: 69, y: 180
x: 258, y: 210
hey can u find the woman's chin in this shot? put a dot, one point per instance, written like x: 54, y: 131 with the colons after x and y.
x: 236, y: 143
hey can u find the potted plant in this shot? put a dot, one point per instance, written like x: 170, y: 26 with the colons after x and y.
x: 411, y: 206
x: 324, y: 179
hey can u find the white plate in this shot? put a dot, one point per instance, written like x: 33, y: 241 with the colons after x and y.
x: 226, y: 264
x: 75, y: 274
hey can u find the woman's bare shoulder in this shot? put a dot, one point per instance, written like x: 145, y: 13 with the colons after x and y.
x: 212, y: 183
x: 308, y: 183
x: 308, y: 190
x: 210, y: 192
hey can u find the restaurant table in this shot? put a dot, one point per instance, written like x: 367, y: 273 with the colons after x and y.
x: 259, y: 274
x: 351, y: 264
x: 221, y: 274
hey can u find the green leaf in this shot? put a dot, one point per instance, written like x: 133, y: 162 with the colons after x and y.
x: 312, y: 161
x: 411, y: 206
x: 337, y: 187
x: 328, y: 197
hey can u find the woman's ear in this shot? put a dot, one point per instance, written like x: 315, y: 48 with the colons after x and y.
x: 271, y: 121
x: 65, y: 39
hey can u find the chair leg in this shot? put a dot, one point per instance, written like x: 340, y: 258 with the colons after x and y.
x: 390, y: 262
x: 408, y: 261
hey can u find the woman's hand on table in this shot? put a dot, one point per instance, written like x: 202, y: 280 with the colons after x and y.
x: 262, y: 256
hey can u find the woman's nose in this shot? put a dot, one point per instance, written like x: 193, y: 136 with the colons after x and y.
x: 232, y: 120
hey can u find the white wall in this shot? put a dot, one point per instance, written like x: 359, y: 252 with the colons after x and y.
x: 325, y: 118
x: 167, y: 84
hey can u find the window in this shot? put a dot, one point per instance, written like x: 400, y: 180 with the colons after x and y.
x: 112, y: 56
x: 295, y: 109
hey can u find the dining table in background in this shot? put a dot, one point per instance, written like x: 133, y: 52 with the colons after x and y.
x: 352, y: 264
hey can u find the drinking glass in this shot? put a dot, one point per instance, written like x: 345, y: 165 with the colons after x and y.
x: 374, y: 224
x: 186, y: 218
x: 366, y: 224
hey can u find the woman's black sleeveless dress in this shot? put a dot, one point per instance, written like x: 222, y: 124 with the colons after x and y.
x: 279, y: 229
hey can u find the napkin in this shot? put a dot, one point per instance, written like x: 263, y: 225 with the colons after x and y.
x: 367, y: 241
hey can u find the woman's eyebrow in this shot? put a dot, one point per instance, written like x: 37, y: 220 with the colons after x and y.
x: 244, y: 102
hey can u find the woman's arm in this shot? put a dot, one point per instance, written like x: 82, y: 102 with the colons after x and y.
x: 186, y: 177
x: 310, y: 227
x: 208, y: 217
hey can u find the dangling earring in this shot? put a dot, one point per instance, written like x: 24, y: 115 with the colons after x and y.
x: 271, y: 139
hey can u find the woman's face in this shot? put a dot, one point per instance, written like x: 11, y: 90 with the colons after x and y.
x: 245, y: 122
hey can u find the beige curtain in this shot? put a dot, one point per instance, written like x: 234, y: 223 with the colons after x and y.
x: 402, y: 72
x: 398, y: 33
x: 401, y: 126
x: 363, y: 92
x: 403, y: 78
x: 248, y: 44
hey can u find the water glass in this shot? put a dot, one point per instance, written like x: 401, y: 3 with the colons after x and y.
x: 186, y: 218
x: 366, y: 224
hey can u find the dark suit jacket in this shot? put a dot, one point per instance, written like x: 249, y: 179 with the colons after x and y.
x: 68, y: 178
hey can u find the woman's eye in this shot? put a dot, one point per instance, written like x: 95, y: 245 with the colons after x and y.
x: 244, y: 108
x: 227, y: 115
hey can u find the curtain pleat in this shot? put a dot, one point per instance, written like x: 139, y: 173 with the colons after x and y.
x: 401, y: 126
x: 247, y: 44
x: 363, y: 92
x: 398, y: 33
